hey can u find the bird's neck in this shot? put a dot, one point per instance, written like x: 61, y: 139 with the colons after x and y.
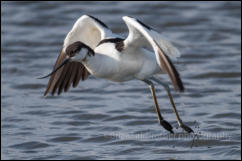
x: 101, y: 65
x: 93, y: 63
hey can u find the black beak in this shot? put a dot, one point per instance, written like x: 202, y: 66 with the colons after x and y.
x: 62, y: 64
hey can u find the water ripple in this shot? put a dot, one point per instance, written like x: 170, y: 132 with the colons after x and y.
x: 107, y: 120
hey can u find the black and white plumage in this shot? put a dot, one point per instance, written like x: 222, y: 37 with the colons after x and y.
x: 91, y: 48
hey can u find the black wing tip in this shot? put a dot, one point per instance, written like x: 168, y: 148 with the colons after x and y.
x: 177, y: 82
x: 181, y: 87
x: 46, y: 93
x: 146, y: 26
x: 99, y: 21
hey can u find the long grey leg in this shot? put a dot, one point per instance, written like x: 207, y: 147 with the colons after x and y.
x: 162, y: 122
x: 180, y: 123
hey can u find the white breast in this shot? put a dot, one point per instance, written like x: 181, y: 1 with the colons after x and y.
x: 111, y: 64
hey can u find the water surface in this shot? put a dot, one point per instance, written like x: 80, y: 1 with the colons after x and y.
x: 104, y: 120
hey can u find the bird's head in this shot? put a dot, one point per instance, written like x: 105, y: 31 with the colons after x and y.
x: 78, y: 51
x: 75, y: 52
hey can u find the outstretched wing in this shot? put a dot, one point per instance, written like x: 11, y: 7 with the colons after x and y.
x: 90, y: 31
x: 141, y: 35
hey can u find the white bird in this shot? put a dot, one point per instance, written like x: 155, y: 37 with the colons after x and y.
x: 91, y: 48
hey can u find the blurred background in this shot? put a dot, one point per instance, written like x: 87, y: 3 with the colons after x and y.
x: 104, y: 120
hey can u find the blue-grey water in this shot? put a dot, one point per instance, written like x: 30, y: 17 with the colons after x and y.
x: 104, y: 120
